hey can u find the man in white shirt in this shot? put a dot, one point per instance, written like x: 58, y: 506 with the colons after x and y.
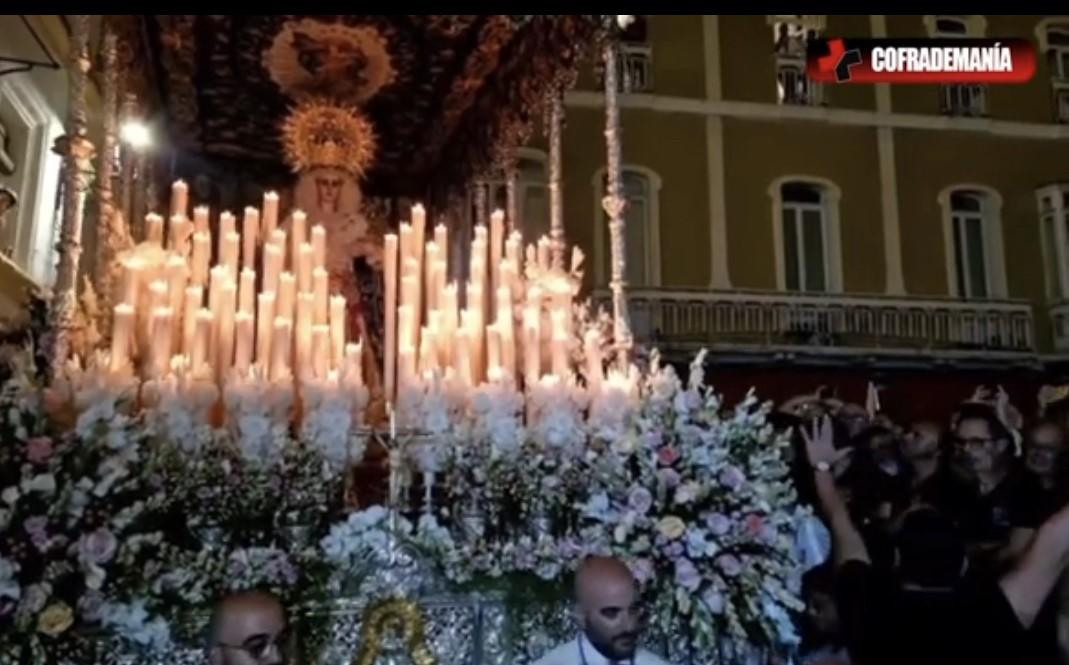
x: 609, y: 616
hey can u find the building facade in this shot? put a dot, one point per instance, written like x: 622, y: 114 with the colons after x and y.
x: 782, y: 224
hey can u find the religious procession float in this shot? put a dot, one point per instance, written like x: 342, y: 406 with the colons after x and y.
x: 405, y: 419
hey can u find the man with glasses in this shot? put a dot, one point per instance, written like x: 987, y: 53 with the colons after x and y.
x: 248, y: 628
x: 609, y: 617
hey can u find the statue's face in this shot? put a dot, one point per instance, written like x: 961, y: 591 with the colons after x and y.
x: 329, y: 183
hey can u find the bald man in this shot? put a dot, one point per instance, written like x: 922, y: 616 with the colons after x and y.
x: 248, y: 628
x: 609, y: 616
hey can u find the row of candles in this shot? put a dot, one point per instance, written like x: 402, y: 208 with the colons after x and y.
x: 174, y: 310
x: 516, y: 323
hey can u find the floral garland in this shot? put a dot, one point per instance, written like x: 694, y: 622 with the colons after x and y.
x: 110, y: 519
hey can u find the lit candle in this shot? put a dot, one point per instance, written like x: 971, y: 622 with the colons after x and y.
x: 202, y: 341
x: 157, y: 291
x: 302, y: 363
x: 354, y: 369
x: 243, y: 341
x: 194, y: 298
x: 405, y: 322
x: 497, y: 238
x: 179, y: 230
x: 225, y: 350
x: 543, y: 254
x: 278, y: 238
x: 493, y: 349
x: 390, y: 311
x: 409, y: 299
x: 304, y: 268
x: 202, y: 254
x: 298, y: 222
x: 272, y: 267
x: 231, y: 246
x: 121, y: 328
x: 475, y: 325
x: 321, y: 351
x: 428, y: 351
x: 320, y: 294
x: 560, y: 345
x: 247, y: 291
x: 280, y: 348
x: 319, y: 246
x: 219, y: 278
x: 161, y: 341
x: 505, y: 327
x: 227, y: 225
x: 179, y: 198
x: 250, y: 236
x: 532, y: 341
x: 419, y: 224
x: 270, y: 216
x: 154, y: 229
x: 462, y: 357
x: 405, y: 233
x: 337, y: 330
x: 131, y: 281
x: 406, y: 364
x: 595, y: 373
x: 441, y: 235
x: 176, y: 287
x: 449, y: 323
x: 431, y: 277
x: 287, y: 296
x: 200, y: 219
x: 265, y: 317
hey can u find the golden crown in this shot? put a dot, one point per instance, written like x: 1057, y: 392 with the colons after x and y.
x: 321, y: 134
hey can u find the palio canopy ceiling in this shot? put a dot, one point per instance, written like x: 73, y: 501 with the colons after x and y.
x: 447, y: 94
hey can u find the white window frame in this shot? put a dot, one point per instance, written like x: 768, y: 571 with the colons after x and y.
x: 994, y: 253
x: 653, y: 227
x: 37, y: 178
x: 832, y: 232
x: 1059, y: 79
x: 1057, y: 289
x: 796, y: 62
x: 951, y: 95
x: 635, y: 57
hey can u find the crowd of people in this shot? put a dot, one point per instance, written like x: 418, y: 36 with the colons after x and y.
x: 949, y: 539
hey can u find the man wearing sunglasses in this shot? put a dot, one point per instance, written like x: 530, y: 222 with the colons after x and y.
x: 248, y: 628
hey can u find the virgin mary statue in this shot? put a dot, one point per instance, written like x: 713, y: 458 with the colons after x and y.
x: 329, y: 147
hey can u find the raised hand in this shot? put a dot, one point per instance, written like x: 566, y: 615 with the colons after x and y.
x: 820, y: 441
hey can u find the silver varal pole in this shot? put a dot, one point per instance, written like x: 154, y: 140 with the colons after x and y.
x: 77, y: 173
x: 615, y: 205
x: 556, y: 199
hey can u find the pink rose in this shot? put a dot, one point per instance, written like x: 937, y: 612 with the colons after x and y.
x: 98, y: 547
x: 668, y: 455
x: 39, y: 450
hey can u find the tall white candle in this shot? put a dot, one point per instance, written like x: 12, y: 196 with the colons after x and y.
x: 505, y: 327
x: 265, y: 319
x: 354, y: 369
x: 131, y: 282
x: 272, y: 263
x: 428, y: 351
x: 243, y: 341
x: 321, y: 351
x: 161, y: 341
x: 247, y: 291
x: 450, y: 316
x: 337, y: 330
x: 497, y: 239
x: 305, y: 262
x: 179, y: 230
x: 595, y: 373
x: 320, y: 295
x: 298, y: 231
x: 281, y: 341
x: 441, y: 238
x: 177, y: 271
x: 200, y: 219
x: 231, y: 246
x: 532, y: 349
x: 227, y: 224
x: 493, y: 348
x: 225, y: 350
x: 202, y: 341
x: 431, y: 280
x: 287, y: 296
x: 462, y: 357
x: 219, y: 278
x: 302, y: 363
x: 319, y: 246
x: 154, y: 229
x: 122, y: 327
x: 559, y: 345
x: 544, y: 247
x: 419, y: 224
x: 179, y: 198
x: 202, y: 255
x: 194, y: 299
x: 405, y: 235
x: 390, y: 258
x: 250, y: 236
x: 270, y: 214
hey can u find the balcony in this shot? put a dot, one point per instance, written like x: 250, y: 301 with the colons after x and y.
x: 832, y: 325
x: 1059, y: 320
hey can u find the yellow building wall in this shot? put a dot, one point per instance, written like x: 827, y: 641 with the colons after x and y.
x: 671, y: 145
x: 757, y: 152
